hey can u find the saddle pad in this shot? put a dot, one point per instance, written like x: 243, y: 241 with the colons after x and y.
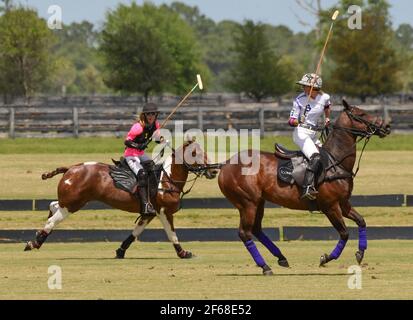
x: 123, y: 177
x: 285, y: 170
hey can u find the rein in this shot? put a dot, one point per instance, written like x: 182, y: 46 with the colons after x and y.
x: 365, y: 135
x: 199, y: 171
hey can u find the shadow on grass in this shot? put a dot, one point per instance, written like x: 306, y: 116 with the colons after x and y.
x: 285, y: 275
x: 107, y: 258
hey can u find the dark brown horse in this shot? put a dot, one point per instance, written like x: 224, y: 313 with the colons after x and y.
x: 248, y: 193
x: 91, y: 181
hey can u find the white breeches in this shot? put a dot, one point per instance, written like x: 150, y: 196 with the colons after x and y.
x: 59, y: 214
x: 306, y: 140
x: 135, y: 162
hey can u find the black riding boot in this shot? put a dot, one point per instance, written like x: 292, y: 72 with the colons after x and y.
x: 146, y: 206
x: 309, y: 190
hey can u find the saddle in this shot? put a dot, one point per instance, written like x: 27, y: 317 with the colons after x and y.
x: 292, y: 166
x: 124, y: 178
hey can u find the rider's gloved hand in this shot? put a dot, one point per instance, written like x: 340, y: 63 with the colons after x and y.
x: 134, y: 145
x: 293, y: 122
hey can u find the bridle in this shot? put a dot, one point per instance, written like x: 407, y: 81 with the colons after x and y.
x: 199, y: 170
x: 371, y: 129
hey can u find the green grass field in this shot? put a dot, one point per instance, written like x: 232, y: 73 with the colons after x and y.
x: 219, y: 271
x: 201, y: 218
x: 115, y: 145
x: 381, y: 172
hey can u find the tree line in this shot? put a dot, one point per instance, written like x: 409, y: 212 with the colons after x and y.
x: 148, y: 49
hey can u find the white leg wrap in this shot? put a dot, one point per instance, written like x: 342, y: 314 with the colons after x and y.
x: 54, y: 206
x: 167, y: 227
x: 59, y: 215
x: 139, y: 228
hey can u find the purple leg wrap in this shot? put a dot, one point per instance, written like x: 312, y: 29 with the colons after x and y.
x: 338, y: 249
x: 269, y: 245
x: 259, y: 260
x: 362, y: 238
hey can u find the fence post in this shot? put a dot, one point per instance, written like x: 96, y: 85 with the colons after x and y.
x: 386, y: 116
x: 262, y: 121
x: 11, y: 123
x: 75, y: 122
x: 200, y: 119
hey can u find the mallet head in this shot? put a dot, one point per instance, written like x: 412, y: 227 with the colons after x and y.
x: 200, y: 84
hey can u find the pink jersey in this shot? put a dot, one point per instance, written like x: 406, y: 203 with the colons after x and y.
x: 135, y: 131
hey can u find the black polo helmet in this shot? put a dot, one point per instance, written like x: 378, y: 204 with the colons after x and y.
x: 150, y: 107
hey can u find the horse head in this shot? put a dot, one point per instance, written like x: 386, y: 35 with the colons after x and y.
x: 359, y: 122
x: 191, y: 155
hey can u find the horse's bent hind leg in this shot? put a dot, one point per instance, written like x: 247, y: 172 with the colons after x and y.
x: 56, y: 215
x: 247, y: 216
x: 263, y: 238
x: 140, y: 226
x: 350, y: 213
x: 336, y: 219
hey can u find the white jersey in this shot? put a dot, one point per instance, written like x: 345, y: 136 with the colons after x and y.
x: 311, y: 112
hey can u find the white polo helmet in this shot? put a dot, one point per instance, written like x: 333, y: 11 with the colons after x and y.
x: 311, y: 79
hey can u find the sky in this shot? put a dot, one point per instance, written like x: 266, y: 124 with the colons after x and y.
x: 274, y: 12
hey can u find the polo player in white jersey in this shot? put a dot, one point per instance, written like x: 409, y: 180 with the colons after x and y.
x: 304, y: 117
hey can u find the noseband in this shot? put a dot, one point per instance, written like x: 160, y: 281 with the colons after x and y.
x: 372, y: 128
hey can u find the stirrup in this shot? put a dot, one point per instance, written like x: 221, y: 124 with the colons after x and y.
x: 310, y: 193
x: 148, y: 210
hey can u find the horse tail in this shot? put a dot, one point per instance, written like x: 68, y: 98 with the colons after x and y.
x: 51, y: 174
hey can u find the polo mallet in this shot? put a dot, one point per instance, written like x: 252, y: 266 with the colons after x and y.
x: 198, y: 84
x: 333, y: 18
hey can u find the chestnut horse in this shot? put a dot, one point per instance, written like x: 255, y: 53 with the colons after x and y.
x: 91, y: 181
x: 248, y: 193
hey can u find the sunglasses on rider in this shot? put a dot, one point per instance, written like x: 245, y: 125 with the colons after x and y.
x: 150, y: 113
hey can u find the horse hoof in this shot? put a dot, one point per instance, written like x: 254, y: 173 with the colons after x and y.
x: 29, y: 246
x: 120, y: 254
x: 324, y: 259
x: 283, y: 263
x: 266, y: 271
x: 185, y: 254
x: 359, y: 256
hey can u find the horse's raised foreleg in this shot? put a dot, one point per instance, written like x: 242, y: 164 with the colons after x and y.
x: 263, y: 238
x: 247, y: 217
x: 350, y: 213
x: 140, y: 226
x: 168, y: 225
x: 56, y: 215
x: 335, y: 216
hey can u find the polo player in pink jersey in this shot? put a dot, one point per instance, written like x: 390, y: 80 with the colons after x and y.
x: 137, y: 140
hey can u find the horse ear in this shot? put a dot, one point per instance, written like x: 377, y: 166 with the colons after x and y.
x: 346, y: 105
